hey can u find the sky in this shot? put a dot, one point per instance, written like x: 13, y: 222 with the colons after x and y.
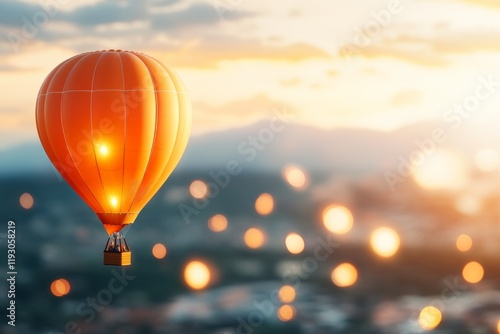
x: 368, y: 64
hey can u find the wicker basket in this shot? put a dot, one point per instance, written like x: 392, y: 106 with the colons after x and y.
x: 117, y: 258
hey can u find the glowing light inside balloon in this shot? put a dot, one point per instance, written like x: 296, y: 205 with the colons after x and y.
x: 286, y: 313
x: 385, y: 241
x: 254, y: 238
x: 103, y: 150
x: 198, y: 189
x: 344, y: 275
x: 114, y: 201
x: 159, y: 251
x: 473, y: 272
x: 337, y: 219
x: 441, y: 170
x: 197, y: 275
x: 294, y: 243
x: 430, y: 317
x: 60, y: 287
x: 26, y: 201
x: 264, y: 204
x: 286, y: 294
x: 217, y: 223
x: 464, y: 243
x: 295, y: 176
x: 487, y: 160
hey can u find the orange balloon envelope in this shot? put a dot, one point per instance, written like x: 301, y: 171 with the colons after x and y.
x: 114, y: 124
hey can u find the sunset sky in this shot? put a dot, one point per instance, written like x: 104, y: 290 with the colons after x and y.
x: 240, y: 59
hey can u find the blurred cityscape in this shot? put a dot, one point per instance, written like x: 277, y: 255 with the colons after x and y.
x: 290, y: 252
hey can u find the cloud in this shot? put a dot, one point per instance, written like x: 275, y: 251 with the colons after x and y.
x: 406, y: 98
x: 106, y: 12
x: 427, y: 51
x: 196, y: 15
x: 12, y: 13
x: 209, y: 52
x: 122, y: 24
x: 292, y: 82
x: 484, y: 3
x: 109, y: 12
x: 10, y: 68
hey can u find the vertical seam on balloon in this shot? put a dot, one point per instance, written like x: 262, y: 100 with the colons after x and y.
x: 64, y: 134
x: 124, y: 129
x: 157, y: 181
x: 44, y: 130
x: 178, y: 123
x: 155, y: 135
x: 92, y: 131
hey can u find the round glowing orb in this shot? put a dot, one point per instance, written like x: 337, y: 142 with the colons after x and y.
x: 286, y: 294
x: 464, y: 243
x: 159, y: 251
x: 344, y: 275
x: 286, y: 313
x: 473, y: 272
x: 198, y: 189
x: 26, y: 201
x: 294, y: 243
x: 385, y: 241
x: 264, y: 204
x: 60, y: 287
x: 295, y: 176
x: 217, y: 223
x: 197, y: 275
x: 430, y: 317
x: 254, y: 238
x: 338, y: 219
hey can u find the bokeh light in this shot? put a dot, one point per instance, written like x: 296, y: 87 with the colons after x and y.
x: 264, y: 204
x: 197, y: 275
x: 344, y: 275
x: 60, y: 287
x: 198, y: 189
x: 26, y: 201
x: 468, y: 205
x: 441, y: 170
x: 487, y: 160
x: 430, y: 317
x: 254, y: 238
x: 286, y: 294
x: 498, y: 327
x: 385, y: 241
x: 473, y: 272
x: 294, y: 243
x: 464, y: 243
x: 295, y: 176
x: 286, y: 313
x: 159, y: 251
x: 338, y: 219
x: 217, y: 223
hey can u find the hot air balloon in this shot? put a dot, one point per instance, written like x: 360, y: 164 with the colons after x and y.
x: 114, y: 124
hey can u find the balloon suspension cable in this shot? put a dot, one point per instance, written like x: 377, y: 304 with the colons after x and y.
x: 126, y: 229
